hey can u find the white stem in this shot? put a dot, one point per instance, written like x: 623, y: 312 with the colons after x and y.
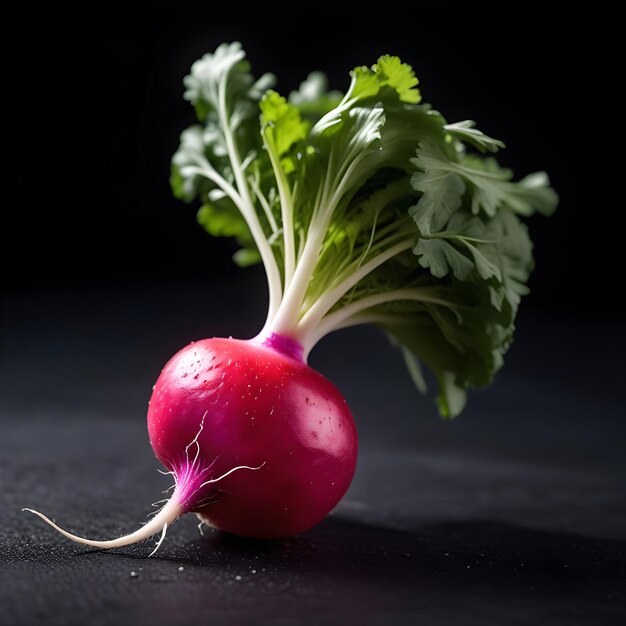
x: 354, y: 320
x: 301, y: 241
x: 247, y: 207
x: 287, y: 314
x: 286, y: 210
x: 286, y: 319
x: 271, y: 270
x: 363, y: 318
x: 265, y: 204
x: 345, y: 180
x: 165, y: 517
x: 314, y: 315
x: 337, y: 319
x: 206, y: 169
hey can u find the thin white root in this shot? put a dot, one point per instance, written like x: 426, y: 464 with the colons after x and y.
x: 230, y: 471
x: 195, y: 440
x: 184, y: 477
x: 159, y: 542
x: 159, y: 509
x: 165, y: 517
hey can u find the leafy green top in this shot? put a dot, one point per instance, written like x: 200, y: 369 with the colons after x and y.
x: 364, y: 208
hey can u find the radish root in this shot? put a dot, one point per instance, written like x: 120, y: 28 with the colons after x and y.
x: 186, y: 479
x: 159, y: 523
x: 159, y: 542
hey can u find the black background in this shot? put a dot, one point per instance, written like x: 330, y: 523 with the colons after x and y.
x: 513, y: 513
x: 94, y: 110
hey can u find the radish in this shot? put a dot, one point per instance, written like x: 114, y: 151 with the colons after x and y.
x: 258, y: 443
x: 363, y: 208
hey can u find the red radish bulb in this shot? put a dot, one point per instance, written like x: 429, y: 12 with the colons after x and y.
x: 259, y: 444
x: 246, y: 405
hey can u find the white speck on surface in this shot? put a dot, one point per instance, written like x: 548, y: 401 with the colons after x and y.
x: 181, y: 568
x: 254, y: 571
x: 134, y: 574
x: 237, y: 577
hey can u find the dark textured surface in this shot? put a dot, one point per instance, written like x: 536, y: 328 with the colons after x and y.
x: 513, y: 514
